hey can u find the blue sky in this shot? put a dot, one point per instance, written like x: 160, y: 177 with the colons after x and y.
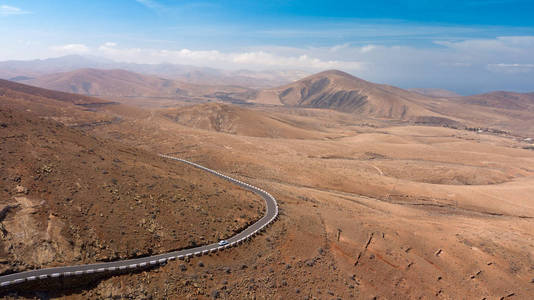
x: 467, y: 46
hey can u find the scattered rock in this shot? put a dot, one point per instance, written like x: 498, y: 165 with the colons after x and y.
x: 200, y: 264
x: 21, y: 190
x: 477, y: 273
x: 183, y: 267
x: 507, y: 296
x: 215, y: 294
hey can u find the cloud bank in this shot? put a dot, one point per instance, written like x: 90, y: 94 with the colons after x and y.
x: 71, y: 49
x: 214, y: 58
x: 7, y: 10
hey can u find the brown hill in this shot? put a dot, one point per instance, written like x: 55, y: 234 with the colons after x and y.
x: 67, y: 197
x: 497, y: 111
x: 344, y: 92
x: 70, y: 109
x: 10, y: 87
x: 511, y: 112
x: 120, y: 83
x: 236, y: 120
x: 502, y: 99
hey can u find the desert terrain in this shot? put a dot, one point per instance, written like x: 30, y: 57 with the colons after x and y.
x: 384, y: 193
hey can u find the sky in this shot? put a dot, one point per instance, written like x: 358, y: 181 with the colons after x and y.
x: 467, y: 46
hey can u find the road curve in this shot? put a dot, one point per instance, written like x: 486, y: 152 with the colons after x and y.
x: 271, y: 213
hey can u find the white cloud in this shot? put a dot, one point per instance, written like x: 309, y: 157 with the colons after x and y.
x: 507, y: 44
x: 303, y: 61
x: 339, y: 47
x: 110, y: 44
x: 71, y: 49
x: 6, y: 10
x: 215, y: 58
x: 511, y: 68
x: 367, y: 48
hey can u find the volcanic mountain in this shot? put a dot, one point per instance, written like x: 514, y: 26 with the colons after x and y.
x: 343, y: 92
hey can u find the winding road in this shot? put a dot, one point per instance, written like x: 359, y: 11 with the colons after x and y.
x: 271, y: 213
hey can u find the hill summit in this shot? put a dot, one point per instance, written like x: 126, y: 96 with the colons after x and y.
x: 341, y: 91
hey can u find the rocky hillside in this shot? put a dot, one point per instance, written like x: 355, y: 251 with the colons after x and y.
x: 67, y: 197
x: 344, y: 92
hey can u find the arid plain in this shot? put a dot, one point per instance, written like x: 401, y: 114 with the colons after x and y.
x: 382, y: 193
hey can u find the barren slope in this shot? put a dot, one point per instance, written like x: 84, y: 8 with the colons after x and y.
x: 374, y: 209
x: 409, y: 203
x: 10, y: 88
x: 69, y: 198
x: 236, y: 120
x: 502, y: 99
x: 341, y: 91
x: 123, y: 84
x: 508, y: 111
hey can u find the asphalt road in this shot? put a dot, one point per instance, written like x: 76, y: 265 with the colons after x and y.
x: 271, y: 213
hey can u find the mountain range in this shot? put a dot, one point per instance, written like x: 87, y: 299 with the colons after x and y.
x: 16, y: 70
x: 331, y: 89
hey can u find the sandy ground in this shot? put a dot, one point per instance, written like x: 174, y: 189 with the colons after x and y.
x: 369, y: 210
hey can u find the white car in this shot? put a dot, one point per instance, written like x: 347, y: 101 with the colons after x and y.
x: 223, y: 242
